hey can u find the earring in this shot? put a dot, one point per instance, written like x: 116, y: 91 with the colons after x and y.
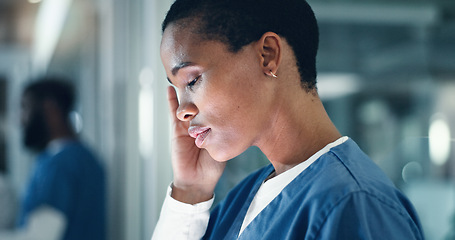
x: 273, y: 75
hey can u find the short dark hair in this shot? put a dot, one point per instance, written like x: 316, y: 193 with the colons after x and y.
x: 54, y: 88
x: 237, y: 23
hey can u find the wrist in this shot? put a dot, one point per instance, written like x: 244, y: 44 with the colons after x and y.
x: 190, y: 195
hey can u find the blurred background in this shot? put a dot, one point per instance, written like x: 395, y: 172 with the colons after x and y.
x: 386, y: 76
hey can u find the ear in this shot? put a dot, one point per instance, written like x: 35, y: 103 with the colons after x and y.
x: 270, y: 49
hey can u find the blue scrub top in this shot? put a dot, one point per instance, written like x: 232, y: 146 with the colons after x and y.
x: 73, y: 182
x: 343, y: 195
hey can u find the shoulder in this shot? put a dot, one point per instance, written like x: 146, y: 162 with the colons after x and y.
x: 344, y: 171
x: 73, y: 158
x: 76, y: 149
x: 347, y: 168
x: 363, y: 215
x: 351, y: 189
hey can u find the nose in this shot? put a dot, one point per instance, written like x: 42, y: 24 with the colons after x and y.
x: 186, y: 111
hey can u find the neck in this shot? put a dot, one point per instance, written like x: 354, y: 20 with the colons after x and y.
x: 298, y: 130
x: 62, y: 131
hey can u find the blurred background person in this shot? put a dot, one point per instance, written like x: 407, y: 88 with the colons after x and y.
x: 65, y: 196
x: 386, y: 75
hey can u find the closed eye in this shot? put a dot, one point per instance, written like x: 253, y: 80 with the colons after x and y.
x: 193, y: 82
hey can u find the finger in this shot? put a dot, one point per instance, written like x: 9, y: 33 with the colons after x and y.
x: 173, y: 102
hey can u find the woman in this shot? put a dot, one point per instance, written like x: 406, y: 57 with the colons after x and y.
x: 245, y: 75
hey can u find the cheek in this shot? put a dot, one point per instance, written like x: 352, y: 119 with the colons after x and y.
x: 233, y: 122
x: 230, y: 100
x: 226, y: 108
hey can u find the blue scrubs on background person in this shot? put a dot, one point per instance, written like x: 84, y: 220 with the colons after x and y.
x: 65, y: 195
x: 69, y: 178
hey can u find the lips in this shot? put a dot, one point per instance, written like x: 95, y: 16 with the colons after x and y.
x: 199, y: 133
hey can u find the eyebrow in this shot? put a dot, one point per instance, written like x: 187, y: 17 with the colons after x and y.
x: 176, y: 69
x: 179, y: 66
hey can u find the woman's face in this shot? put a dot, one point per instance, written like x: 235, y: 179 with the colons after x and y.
x: 225, y: 96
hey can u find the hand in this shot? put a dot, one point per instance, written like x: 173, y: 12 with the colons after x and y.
x: 196, y: 173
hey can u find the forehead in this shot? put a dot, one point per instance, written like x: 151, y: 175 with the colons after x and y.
x: 175, y: 40
x: 182, y: 44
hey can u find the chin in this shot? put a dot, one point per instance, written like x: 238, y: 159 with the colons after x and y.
x: 222, y: 156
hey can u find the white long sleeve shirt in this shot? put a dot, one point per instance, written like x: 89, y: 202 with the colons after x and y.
x: 45, y: 223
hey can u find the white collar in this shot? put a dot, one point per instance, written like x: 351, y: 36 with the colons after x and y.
x: 56, y: 145
x: 272, y: 187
